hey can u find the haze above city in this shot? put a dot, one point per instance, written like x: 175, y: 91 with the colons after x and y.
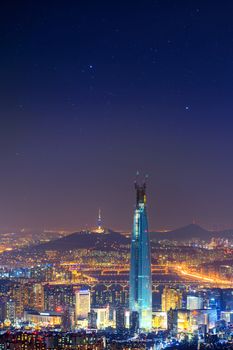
x: 92, y: 92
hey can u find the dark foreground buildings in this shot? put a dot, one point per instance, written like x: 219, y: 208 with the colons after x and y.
x: 50, y: 340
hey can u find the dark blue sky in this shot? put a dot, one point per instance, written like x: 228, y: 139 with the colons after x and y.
x: 92, y: 91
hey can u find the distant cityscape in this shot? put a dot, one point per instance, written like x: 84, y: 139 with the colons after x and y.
x: 101, y: 289
x: 116, y: 195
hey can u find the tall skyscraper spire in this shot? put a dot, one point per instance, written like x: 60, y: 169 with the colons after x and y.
x: 140, y: 297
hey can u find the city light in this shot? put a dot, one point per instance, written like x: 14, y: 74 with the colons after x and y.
x: 94, y: 253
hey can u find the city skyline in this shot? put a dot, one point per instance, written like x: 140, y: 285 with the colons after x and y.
x: 101, y: 104
x: 91, y: 94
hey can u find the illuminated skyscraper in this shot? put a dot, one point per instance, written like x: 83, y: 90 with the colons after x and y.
x: 82, y: 303
x: 171, y: 299
x: 38, y: 296
x: 140, y: 298
x: 102, y: 317
x: 194, y: 302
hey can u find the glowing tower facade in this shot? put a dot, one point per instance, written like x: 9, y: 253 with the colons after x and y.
x: 140, y: 296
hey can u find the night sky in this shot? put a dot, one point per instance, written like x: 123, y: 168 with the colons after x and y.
x: 92, y: 91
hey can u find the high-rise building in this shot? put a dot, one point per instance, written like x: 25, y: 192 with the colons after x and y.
x: 140, y: 299
x: 194, y: 302
x: 3, y: 301
x: 178, y: 321
x: 159, y: 320
x: 113, y: 296
x: 172, y: 321
x: 127, y: 319
x: 68, y: 318
x: 38, y: 294
x: 82, y: 303
x: 11, y: 311
x: 22, y: 294
x: 92, y: 319
x: 120, y: 318
x: 171, y: 299
x: 58, y: 296
x: 134, y: 321
x: 206, y: 317
x: 102, y: 320
x: 227, y: 316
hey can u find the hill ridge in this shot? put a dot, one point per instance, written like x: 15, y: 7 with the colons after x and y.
x: 110, y: 240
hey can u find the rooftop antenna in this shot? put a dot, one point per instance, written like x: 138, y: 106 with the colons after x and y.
x: 99, y: 220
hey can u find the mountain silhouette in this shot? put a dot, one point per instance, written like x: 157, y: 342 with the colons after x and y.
x: 190, y: 232
x: 108, y: 240
x: 111, y: 240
